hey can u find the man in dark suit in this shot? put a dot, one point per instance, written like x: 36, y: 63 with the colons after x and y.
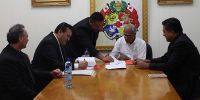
x: 85, y: 36
x: 50, y: 53
x: 181, y: 63
x: 17, y: 80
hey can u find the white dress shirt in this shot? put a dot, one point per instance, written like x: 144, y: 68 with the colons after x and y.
x: 136, y: 50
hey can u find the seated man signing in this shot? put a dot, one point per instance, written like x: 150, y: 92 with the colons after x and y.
x: 129, y: 47
x: 50, y: 53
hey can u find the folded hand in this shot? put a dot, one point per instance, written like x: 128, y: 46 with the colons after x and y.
x: 57, y: 73
x: 142, y: 64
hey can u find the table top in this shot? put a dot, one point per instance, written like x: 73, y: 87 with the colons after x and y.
x: 119, y: 84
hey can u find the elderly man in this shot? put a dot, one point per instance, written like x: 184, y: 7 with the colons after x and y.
x: 129, y: 46
x: 181, y: 63
x: 17, y: 80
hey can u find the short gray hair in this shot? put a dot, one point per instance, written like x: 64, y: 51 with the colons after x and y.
x: 14, y: 33
x: 132, y: 27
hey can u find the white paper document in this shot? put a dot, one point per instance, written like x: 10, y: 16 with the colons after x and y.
x: 90, y: 68
x: 161, y: 75
x: 91, y: 60
x: 84, y: 72
x: 116, y: 64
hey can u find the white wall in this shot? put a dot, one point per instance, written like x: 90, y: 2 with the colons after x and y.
x: 188, y: 15
x: 39, y: 21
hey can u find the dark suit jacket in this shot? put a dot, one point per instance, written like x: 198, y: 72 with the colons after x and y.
x: 181, y: 63
x: 48, y: 57
x: 17, y: 81
x: 83, y: 37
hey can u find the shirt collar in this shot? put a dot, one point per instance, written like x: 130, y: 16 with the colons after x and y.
x: 56, y: 38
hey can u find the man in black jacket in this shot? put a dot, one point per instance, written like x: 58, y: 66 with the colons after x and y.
x: 181, y: 63
x: 17, y: 80
x: 85, y: 36
x: 50, y: 53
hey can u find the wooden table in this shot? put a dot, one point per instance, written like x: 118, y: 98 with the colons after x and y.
x: 120, y: 84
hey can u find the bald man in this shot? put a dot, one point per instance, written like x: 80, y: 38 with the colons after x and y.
x: 129, y: 47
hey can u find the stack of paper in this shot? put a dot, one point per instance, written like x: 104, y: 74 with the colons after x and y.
x: 91, y: 60
x: 84, y: 72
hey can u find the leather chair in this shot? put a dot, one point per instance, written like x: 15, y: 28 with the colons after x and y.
x: 149, y: 53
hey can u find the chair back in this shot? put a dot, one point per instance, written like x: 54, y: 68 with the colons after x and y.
x: 149, y: 53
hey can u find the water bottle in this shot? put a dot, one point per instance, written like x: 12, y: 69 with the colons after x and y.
x: 68, y: 74
x: 86, y: 53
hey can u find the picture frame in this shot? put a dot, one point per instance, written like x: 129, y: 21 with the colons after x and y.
x: 174, y: 2
x: 144, y: 23
x: 37, y: 3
